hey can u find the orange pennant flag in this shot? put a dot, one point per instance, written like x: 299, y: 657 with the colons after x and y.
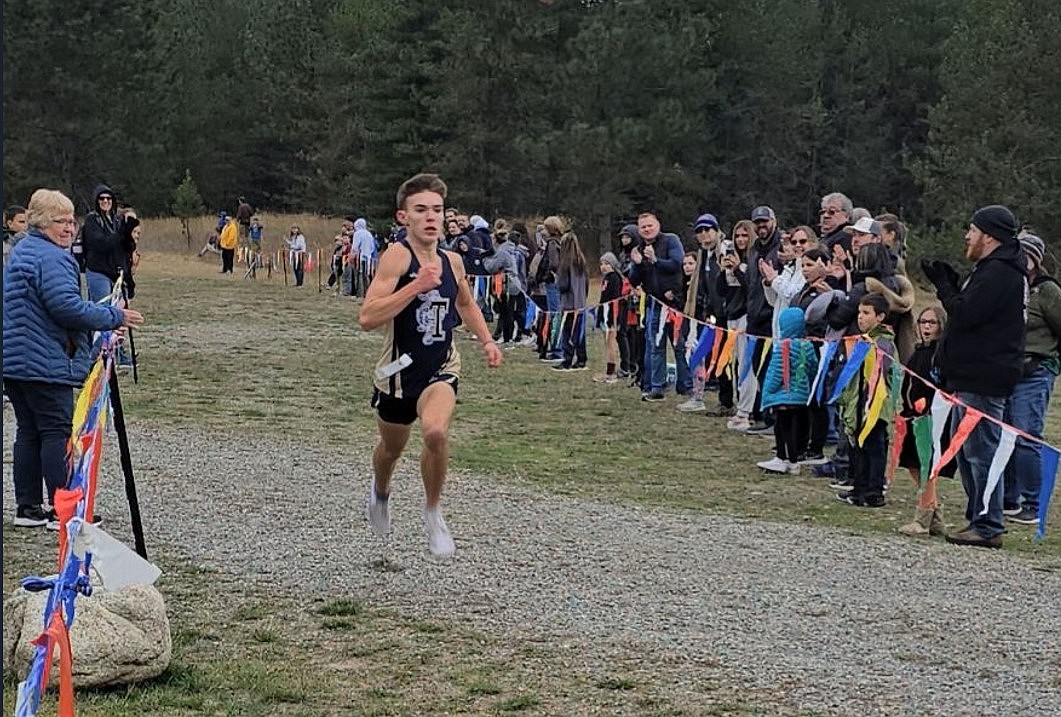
x: 726, y: 355
x: 969, y: 421
x: 715, y: 348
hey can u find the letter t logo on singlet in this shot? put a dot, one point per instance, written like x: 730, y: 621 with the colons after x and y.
x: 431, y: 315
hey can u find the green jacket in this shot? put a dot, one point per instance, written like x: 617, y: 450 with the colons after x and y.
x: 853, y: 399
x: 1044, y: 323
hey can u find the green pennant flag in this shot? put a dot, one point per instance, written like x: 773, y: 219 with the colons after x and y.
x: 922, y: 427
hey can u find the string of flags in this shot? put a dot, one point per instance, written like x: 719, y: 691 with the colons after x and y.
x: 82, y: 545
x: 883, y: 374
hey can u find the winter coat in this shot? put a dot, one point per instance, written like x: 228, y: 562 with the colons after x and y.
x: 229, y: 235
x: 666, y: 273
x: 900, y: 311
x: 760, y: 313
x: 982, y: 350
x: 802, y: 363
x: 47, y: 325
x: 503, y: 259
x: 1044, y: 325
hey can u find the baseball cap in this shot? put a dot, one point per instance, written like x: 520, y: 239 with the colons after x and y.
x: 865, y: 225
x: 763, y: 212
x: 705, y: 221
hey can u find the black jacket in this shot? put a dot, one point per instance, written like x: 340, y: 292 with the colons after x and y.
x: 760, y: 312
x: 982, y: 350
x: 101, y: 245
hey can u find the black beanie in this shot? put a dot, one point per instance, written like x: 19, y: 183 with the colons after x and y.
x: 997, y: 221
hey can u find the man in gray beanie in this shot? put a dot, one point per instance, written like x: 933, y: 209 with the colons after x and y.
x: 981, y: 356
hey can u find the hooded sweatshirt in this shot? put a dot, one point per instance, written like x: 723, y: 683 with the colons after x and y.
x: 101, y: 245
x: 364, y: 242
x: 983, y: 349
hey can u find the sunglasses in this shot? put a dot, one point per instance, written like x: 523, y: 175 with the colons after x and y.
x: 106, y: 199
x: 741, y: 235
x: 800, y: 242
x: 828, y: 212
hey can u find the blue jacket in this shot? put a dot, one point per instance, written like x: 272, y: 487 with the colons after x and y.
x: 802, y: 363
x: 666, y: 274
x: 47, y: 325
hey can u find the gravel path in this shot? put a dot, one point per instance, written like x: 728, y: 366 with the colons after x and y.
x: 795, y: 618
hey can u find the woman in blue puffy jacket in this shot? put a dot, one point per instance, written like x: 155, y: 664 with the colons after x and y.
x: 47, y: 349
x: 793, y: 365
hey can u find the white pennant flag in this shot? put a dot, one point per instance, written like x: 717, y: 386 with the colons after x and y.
x: 998, y: 465
x: 941, y: 409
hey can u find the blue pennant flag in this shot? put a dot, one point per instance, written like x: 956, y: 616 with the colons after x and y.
x: 531, y: 315
x: 1046, y: 488
x: 854, y: 363
x: 823, y: 369
x: 703, y: 346
x: 748, y: 359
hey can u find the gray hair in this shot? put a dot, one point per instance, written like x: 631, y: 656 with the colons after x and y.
x: 859, y: 212
x: 846, y: 206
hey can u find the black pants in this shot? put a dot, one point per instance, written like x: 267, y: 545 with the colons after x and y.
x: 788, y: 425
x: 505, y: 318
x: 519, y: 315
x: 44, y: 413
x: 817, y: 428
x: 227, y: 256
x: 725, y: 390
x: 573, y: 341
x: 543, y: 341
x: 869, y: 462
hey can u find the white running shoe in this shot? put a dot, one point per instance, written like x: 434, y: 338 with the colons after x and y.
x: 438, y: 537
x: 693, y: 404
x: 774, y: 465
x: 378, y: 511
x: 738, y: 423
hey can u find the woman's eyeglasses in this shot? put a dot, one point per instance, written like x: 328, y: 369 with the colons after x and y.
x: 928, y: 322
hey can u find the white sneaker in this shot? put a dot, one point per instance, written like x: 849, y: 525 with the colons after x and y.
x: 774, y: 465
x: 438, y: 537
x: 693, y: 404
x: 793, y: 469
x: 378, y: 511
x: 738, y: 423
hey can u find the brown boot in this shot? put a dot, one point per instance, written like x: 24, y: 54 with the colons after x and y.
x: 920, y: 528
x: 937, y: 526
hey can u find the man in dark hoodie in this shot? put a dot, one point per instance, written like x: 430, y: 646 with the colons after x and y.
x: 981, y: 355
x: 762, y: 251
x: 658, y: 269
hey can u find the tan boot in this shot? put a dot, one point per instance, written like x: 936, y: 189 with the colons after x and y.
x: 937, y: 526
x: 920, y: 528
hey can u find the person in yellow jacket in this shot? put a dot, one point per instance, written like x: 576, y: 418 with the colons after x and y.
x: 229, y: 241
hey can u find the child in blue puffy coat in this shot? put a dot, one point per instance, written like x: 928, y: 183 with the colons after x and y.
x: 787, y: 389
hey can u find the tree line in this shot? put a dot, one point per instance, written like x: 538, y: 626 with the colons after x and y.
x: 594, y: 109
